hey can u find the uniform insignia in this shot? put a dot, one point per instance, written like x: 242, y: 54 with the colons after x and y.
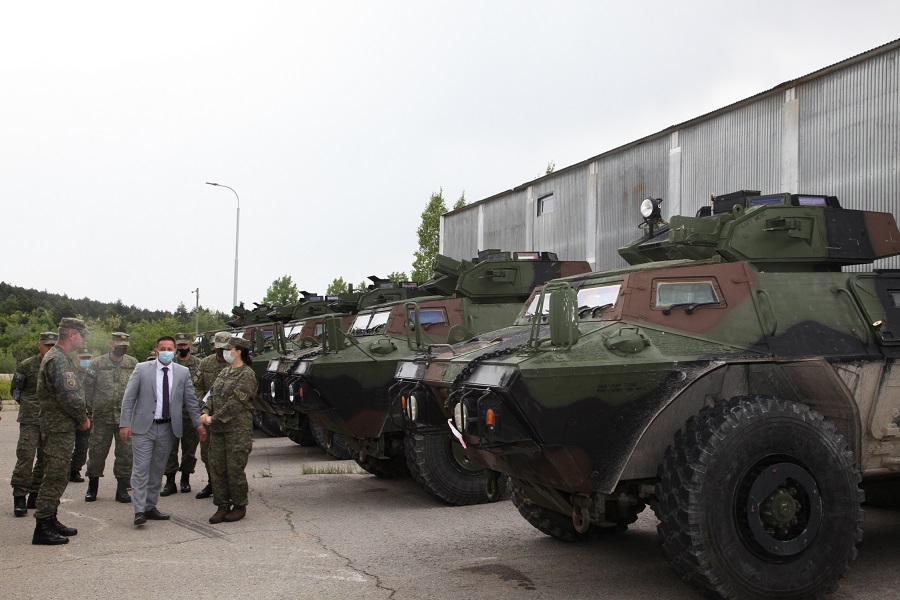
x: 71, y: 383
x: 70, y: 375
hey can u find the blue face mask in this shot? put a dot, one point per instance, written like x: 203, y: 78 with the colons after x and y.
x: 84, y: 363
x: 166, y: 356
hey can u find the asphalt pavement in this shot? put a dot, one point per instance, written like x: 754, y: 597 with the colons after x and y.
x: 349, y: 535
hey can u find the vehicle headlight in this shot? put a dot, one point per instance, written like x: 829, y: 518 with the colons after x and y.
x: 302, y: 367
x: 290, y: 391
x: 272, y: 388
x: 273, y: 366
x: 650, y: 208
x: 460, y: 416
x: 412, y: 407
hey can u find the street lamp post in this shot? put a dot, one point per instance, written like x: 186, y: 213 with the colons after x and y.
x: 237, y: 236
x: 197, y: 314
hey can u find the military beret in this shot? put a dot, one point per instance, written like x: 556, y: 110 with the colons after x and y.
x: 49, y: 338
x: 73, y: 323
x: 182, y: 338
x: 221, y: 338
x: 235, y: 342
x: 84, y: 352
x: 119, y: 339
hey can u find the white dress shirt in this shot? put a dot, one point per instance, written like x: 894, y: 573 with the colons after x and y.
x: 159, y: 391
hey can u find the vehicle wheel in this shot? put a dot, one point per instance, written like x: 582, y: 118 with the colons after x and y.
x: 759, y: 498
x: 439, y: 465
x: 556, y: 524
x: 334, y: 448
x: 303, y: 436
x: 268, y: 423
x: 389, y: 468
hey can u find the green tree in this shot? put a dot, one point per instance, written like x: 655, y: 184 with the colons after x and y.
x: 338, y: 286
x: 397, y: 276
x: 461, y: 202
x: 429, y: 233
x: 551, y: 166
x: 282, y: 292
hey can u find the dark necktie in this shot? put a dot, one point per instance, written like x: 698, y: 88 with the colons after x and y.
x: 165, y: 407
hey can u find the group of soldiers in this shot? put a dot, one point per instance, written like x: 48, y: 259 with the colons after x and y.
x: 69, y: 414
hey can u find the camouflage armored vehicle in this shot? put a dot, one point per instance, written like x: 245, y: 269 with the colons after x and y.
x: 734, y: 378
x: 345, y: 389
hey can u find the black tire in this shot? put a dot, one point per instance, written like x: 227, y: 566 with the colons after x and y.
x: 730, y: 472
x: 335, y: 448
x: 303, y: 436
x: 558, y: 525
x: 388, y: 468
x: 268, y: 423
x: 438, y: 465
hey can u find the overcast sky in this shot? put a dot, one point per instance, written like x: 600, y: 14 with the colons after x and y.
x: 335, y: 121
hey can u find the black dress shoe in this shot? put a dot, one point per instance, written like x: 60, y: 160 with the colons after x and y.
x: 205, y: 492
x: 154, y: 515
x: 139, y: 519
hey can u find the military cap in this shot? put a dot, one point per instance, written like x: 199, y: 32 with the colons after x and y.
x: 84, y: 352
x: 73, y: 323
x: 235, y: 342
x: 119, y: 338
x: 182, y: 338
x: 49, y: 338
x: 221, y: 338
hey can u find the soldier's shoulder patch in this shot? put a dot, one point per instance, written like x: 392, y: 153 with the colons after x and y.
x: 71, y: 383
x: 70, y: 375
x: 91, y: 373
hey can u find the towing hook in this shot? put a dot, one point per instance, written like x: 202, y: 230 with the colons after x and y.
x: 492, y: 485
x: 581, y: 512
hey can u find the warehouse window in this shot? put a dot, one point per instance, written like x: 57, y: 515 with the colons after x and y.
x: 545, y: 205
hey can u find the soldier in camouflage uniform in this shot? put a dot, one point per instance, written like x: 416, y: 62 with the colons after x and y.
x: 106, y: 378
x: 27, y: 475
x: 229, y: 415
x: 82, y: 438
x: 63, y: 412
x: 210, y: 367
x: 189, y: 437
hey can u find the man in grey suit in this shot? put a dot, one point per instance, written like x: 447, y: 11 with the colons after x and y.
x: 151, y: 415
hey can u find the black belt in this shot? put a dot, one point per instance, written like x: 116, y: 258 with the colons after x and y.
x: 161, y: 420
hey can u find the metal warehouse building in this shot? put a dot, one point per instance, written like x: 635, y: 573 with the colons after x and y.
x: 835, y: 131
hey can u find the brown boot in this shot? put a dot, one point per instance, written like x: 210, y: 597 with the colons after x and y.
x: 220, y: 514
x: 236, y: 514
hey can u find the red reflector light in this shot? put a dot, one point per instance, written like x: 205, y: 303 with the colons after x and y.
x: 490, y: 418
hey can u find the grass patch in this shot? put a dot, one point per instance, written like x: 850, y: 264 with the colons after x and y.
x: 329, y: 470
x: 5, y: 386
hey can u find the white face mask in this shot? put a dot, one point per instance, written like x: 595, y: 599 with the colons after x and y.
x: 229, y: 357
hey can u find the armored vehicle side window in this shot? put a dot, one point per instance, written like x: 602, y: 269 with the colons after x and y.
x: 428, y: 316
x: 593, y: 301
x: 319, y: 330
x: 361, y: 323
x: 670, y: 293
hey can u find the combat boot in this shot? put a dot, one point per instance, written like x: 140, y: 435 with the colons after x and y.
x: 236, y: 514
x: 20, y: 507
x: 32, y: 500
x: 169, y: 488
x: 185, y: 483
x: 220, y: 514
x: 91, y: 494
x: 122, y: 490
x: 75, y: 476
x: 46, y: 535
x: 205, y: 492
x: 60, y: 528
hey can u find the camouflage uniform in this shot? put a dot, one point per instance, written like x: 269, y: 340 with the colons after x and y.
x: 104, y: 389
x: 231, y: 434
x: 209, y: 370
x: 189, y: 439
x: 82, y: 438
x: 27, y: 475
x: 63, y: 412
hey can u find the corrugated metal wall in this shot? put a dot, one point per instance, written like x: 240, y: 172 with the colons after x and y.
x: 834, y: 132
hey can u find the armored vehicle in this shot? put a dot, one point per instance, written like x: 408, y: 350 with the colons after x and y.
x: 345, y: 389
x: 734, y: 378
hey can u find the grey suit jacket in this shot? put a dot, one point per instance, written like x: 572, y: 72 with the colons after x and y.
x: 139, y: 401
